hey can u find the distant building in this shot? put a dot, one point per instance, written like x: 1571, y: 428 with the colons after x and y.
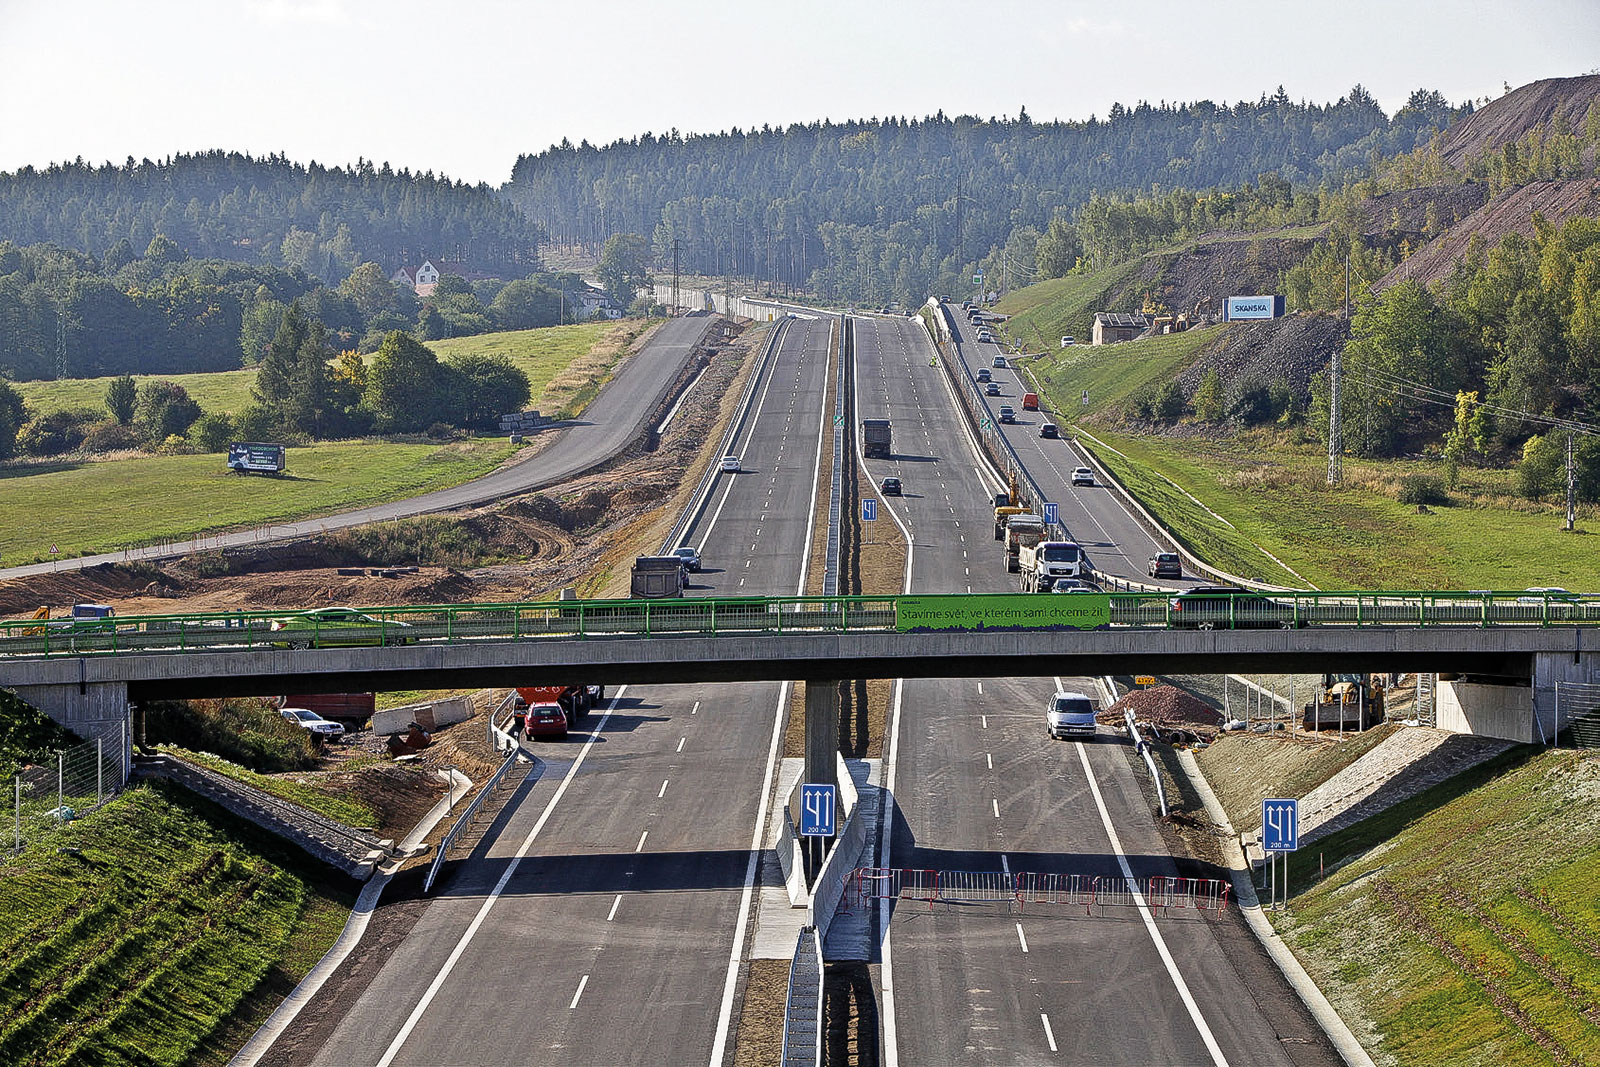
x: 421, y: 282
x: 1111, y: 327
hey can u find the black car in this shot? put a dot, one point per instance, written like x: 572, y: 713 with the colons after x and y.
x: 1006, y: 414
x: 1048, y: 429
x: 891, y: 487
x: 1229, y: 607
x: 1166, y: 565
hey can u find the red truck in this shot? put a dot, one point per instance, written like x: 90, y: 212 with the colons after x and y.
x: 575, y: 700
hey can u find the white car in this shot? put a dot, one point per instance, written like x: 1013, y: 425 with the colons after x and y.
x: 1070, y: 714
x: 1083, y: 476
x: 306, y: 719
x: 731, y: 464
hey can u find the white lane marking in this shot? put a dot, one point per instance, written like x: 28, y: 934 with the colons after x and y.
x: 640, y: 846
x: 615, y: 904
x: 980, y: 688
x: 1021, y: 938
x: 681, y: 740
x: 989, y: 758
x: 1049, y: 1034
x: 1149, y: 923
x: 581, y: 983
x: 695, y: 708
x: 663, y: 792
x: 985, y: 719
x: 741, y: 581
x: 995, y: 802
x: 494, y: 894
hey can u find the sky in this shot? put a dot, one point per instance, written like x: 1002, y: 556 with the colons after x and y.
x: 464, y: 87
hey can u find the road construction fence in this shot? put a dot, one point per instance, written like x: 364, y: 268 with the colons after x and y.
x: 68, y: 784
x: 1162, y: 894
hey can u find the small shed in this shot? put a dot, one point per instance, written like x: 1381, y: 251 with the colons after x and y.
x: 1111, y: 327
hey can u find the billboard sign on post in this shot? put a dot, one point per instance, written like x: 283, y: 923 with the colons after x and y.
x: 1236, y: 308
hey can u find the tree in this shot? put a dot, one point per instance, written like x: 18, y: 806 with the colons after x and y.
x: 165, y: 410
x: 403, y: 383
x: 484, y: 387
x: 1208, y: 406
x: 213, y: 432
x: 122, y: 396
x: 370, y: 290
x: 524, y: 304
x: 275, y: 378
x: 307, y: 407
x: 12, y: 416
x: 624, y: 267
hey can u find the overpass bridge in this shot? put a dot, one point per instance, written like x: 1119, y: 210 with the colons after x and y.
x: 90, y: 676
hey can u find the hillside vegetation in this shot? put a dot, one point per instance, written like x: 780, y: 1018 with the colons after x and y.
x: 134, y: 934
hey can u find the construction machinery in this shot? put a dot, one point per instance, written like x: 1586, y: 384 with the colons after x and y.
x: 1009, y: 503
x: 1345, y: 702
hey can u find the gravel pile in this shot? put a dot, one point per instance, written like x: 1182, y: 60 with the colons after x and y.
x: 1293, y: 348
x: 1163, y: 705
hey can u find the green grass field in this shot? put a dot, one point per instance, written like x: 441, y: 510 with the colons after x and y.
x: 87, y: 508
x: 141, y: 943
x: 1464, y: 924
x: 540, y: 354
x: 1274, y: 493
x: 1042, y: 314
x: 1110, y: 374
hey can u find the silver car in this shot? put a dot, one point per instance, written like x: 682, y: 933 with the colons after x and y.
x: 1070, y: 715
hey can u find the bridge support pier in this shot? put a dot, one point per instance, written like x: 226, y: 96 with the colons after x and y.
x: 822, y: 754
x: 89, y: 709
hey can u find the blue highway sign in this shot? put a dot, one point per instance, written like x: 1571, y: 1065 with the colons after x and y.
x: 869, y: 510
x: 1280, y: 825
x: 1050, y: 514
x: 818, y: 805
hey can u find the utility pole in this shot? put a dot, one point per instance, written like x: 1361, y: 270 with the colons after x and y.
x: 1572, y: 482
x: 1335, y: 374
x: 674, y: 275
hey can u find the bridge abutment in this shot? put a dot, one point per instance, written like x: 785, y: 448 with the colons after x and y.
x: 92, y: 710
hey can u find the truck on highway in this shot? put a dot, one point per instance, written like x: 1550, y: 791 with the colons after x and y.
x: 1008, y: 503
x: 875, y: 437
x: 576, y: 700
x: 657, y: 576
x: 1042, y: 564
x: 1022, y: 531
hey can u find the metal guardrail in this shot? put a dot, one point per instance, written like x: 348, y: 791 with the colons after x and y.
x: 709, y: 616
x: 841, y: 418
x: 802, y: 1017
x: 465, y: 818
x: 1143, y: 748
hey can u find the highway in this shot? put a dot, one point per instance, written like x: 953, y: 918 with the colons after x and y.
x: 980, y: 787
x: 616, y: 416
x: 1114, y: 540
x: 604, y: 918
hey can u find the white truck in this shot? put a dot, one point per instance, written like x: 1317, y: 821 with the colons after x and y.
x: 1042, y: 564
x: 1022, y: 531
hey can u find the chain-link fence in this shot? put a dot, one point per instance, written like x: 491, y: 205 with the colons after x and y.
x: 68, y: 785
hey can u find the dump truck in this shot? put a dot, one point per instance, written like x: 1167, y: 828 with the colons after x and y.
x: 1043, y: 563
x: 1345, y: 702
x: 875, y: 437
x: 657, y: 576
x: 1022, y: 531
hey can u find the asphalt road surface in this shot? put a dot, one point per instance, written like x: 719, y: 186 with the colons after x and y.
x: 614, y: 419
x: 981, y: 788
x: 603, y: 918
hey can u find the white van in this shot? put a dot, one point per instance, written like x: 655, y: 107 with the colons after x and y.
x: 1070, y: 715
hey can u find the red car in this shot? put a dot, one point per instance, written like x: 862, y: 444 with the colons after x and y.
x: 544, y: 720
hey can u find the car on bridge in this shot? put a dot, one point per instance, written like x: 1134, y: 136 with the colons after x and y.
x: 337, y: 628
x: 1229, y: 607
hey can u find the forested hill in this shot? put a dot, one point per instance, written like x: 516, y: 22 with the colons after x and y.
x: 891, y: 208
x: 224, y: 205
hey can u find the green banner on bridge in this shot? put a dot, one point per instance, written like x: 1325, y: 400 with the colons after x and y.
x: 1004, y: 611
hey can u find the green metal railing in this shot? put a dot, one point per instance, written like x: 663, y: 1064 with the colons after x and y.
x: 597, y: 619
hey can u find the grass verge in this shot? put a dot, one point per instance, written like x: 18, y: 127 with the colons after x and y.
x: 134, y: 934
